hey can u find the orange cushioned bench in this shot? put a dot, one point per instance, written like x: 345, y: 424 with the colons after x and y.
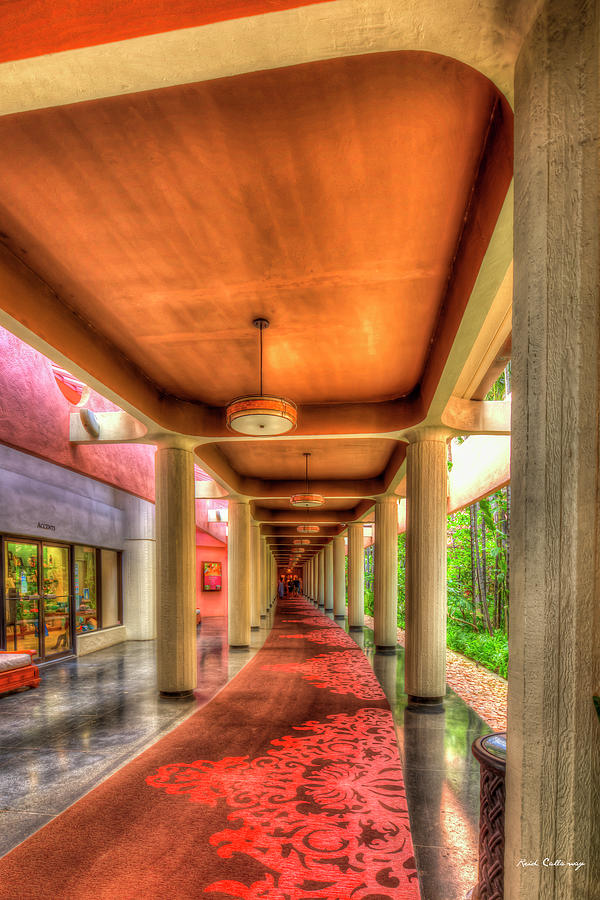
x: 17, y: 670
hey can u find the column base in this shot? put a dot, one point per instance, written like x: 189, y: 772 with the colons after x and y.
x: 255, y: 628
x: 175, y: 695
x: 356, y: 627
x: 264, y: 616
x: 386, y: 651
x: 340, y: 617
x: 321, y: 606
x: 425, y: 701
x: 239, y: 646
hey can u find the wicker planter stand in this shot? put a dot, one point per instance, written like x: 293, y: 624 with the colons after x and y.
x: 490, y: 752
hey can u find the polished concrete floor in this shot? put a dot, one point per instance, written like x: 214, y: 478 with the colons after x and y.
x: 93, y: 714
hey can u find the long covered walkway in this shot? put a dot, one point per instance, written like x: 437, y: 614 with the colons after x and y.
x: 54, y: 756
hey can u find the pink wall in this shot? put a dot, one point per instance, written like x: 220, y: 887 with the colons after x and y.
x: 34, y: 417
x: 218, y: 530
x: 209, y: 549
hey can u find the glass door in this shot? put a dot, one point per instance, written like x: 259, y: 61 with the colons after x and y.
x: 22, y: 598
x: 56, y: 608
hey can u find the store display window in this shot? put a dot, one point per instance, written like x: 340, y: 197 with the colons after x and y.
x: 55, y: 600
x: 51, y: 591
x: 37, y: 598
x: 85, y: 589
x: 21, y: 596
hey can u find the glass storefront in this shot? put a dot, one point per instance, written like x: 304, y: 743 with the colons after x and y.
x: 55, y: 600
x: 85, y: 589
x: 22, y: 598
x: 52, y: 591
x: 36, y: 599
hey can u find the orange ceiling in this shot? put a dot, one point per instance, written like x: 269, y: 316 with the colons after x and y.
x: 351, y: 459
x: 333, y: 504
x: 350, y: 201
x: 330, y: 197
x: 35, y: 27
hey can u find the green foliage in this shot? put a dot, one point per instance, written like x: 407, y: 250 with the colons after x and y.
x: 369, y: 603
x: 401, y: 580
x: 498, y: 390
x: 477, y: 634
x: 491, y: 650
x: 478, y: 572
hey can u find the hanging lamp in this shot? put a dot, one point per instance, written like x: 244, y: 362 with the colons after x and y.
x: 308, y: 529
x: 258, y: 414
x: 307, y: 500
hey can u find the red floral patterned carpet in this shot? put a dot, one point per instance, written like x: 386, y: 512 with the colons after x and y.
x: 287, y: 786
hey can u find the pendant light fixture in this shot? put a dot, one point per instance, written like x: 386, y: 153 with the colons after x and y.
x: 307, y: 500
x: 261, y: 415
x: 308, y: 529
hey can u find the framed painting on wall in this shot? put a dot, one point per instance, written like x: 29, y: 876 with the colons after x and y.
x: 211, y: 576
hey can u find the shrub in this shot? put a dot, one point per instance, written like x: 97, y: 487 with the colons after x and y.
x: 491, y: 650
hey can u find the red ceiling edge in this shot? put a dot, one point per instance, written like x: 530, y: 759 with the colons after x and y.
x: 30, y: 28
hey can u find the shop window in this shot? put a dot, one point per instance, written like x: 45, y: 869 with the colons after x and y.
x: 111, y: 581
x: 85, y: 588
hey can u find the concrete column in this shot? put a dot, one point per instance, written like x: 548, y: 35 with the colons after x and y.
x: 139, y: 570
x: 264, y: 585
x: 356, y: 576
x: 328, y: 558
x: 339, y: 577
x: 255, y: 576
x: 321, y: 576
x: 238, y: 569
x: 426, y: 526
x: 175, y: 571
x: 385, y: 597
x: 553, y: 764
x: 311, y: 579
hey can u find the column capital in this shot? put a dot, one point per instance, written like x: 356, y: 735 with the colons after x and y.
x: 386, y: 499
x: 171, y: 441
x: 436, y: 433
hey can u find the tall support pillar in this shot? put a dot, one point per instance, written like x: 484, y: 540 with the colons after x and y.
x: 339, y: 577
x: 272, y: 570
x: 553, y: 762
x: 313, y: 593
x: 321, y: 589
x: 264, y: 587
x: 356, y: 576
x: 328, y: 557
x: 385, y: 600
x: 426, y: 526
x: 139, y: 570
x: 255, y: 576
x: 176, y: 571
x: 273, y: 581
x: 238, y: 573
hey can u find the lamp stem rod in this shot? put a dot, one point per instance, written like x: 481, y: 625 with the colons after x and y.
x: 261, y: 362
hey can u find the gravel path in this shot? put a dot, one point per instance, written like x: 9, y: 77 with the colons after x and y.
x: 483, y: 690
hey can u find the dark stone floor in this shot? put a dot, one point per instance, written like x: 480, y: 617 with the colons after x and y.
x: 441, y: 777
x: 93, y: 714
